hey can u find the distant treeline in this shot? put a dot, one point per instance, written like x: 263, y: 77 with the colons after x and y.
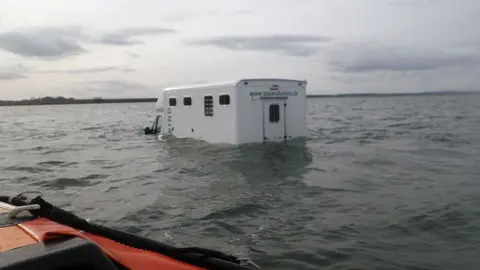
x: 436, y: 93
x: 64, y: 100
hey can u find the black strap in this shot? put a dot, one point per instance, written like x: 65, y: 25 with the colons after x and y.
x: 209, y: 259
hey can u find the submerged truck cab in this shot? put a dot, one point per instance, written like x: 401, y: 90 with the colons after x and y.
x: 156, y: 126
x: 236, y: 112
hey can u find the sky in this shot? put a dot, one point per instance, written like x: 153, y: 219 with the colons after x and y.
x: 120, y: 48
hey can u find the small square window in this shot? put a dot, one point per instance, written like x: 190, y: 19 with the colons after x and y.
x: 172, y: 102
x: 224, y: 99
x: 187, y: 101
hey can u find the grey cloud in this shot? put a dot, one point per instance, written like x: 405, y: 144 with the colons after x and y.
x: 228, y: 13
x: 53, y: 43
x: 134, y: 55
x: 110, y: 88
x: 243, y: 11
x: 45, y: 43
x: 11, y: 76
x: 411, y: 3
x: 90, y: 70
x: 177, y: 17
x: 183, y: 16
x: 13, y: 72
x: 20, y: 71
x: 124, y: 37
x: 293, y: 45
x: 116, y: 84
x: 363, y: 59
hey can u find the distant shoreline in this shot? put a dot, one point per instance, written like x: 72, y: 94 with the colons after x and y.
x: 437, y: 93
x: 69, y: 101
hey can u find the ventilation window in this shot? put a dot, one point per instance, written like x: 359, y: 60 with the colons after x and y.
x: 224, y: 100
x: 274, y: 113
x: 172, y: 102
x: 208, y: 105
x: 187, y: 101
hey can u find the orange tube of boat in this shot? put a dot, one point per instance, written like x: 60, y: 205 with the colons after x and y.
x: 132, y: 258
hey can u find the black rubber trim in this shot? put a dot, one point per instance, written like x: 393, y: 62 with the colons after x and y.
x: 65, y: 253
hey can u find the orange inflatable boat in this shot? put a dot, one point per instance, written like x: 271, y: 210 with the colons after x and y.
x: 37, y: 235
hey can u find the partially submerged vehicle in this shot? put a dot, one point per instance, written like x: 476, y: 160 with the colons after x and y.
x: 235, y: 112
x: 37, y: 235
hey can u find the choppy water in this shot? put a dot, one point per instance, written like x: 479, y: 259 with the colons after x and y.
x: 381, y: 183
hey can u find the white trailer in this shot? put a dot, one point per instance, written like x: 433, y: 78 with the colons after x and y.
x: 237, y: 112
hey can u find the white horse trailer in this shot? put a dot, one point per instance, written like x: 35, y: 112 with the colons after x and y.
x: 238, y: 112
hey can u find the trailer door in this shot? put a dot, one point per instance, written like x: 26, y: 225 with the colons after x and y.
x: 274, y: 120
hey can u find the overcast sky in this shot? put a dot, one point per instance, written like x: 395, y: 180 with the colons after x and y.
x: 120, y: 48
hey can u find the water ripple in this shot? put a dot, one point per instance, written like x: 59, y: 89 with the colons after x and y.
x: 381, y: 183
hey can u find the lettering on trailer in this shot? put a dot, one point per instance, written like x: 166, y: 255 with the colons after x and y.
x: 169, y: 120
x: 274, y: 94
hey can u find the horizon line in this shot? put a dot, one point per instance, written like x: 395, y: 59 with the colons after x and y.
x: 148, y: 99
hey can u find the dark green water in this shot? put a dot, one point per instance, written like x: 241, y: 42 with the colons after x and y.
x: 381, y: 183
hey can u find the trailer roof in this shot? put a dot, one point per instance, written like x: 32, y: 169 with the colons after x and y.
x: 226, y: 83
